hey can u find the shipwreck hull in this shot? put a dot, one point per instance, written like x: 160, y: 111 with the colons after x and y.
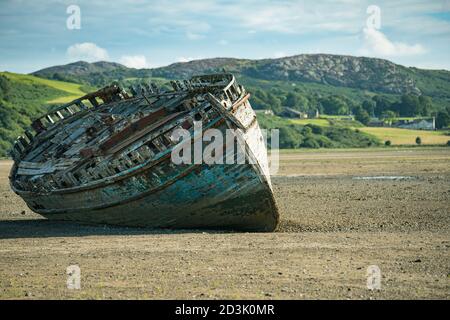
x: 205, y: 197
x: 151, y: 190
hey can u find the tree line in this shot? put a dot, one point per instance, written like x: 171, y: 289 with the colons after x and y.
x: 380, y: 106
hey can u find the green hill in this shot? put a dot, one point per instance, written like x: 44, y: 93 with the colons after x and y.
x: 361, y: 73
x: 331, y: 84
x: 24, y: 97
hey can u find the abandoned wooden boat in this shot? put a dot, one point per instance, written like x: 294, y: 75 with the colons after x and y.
x: 106, y: 158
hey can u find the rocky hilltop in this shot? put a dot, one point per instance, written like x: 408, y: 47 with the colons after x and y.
x: 371, y: 74
x: 346, y: 71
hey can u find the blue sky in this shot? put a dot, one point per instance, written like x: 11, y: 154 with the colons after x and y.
x: 138, y: 33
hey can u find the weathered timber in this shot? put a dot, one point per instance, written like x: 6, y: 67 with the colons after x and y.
x: 107, y: 158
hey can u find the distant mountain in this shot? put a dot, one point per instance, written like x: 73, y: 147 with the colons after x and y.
x: 375, y: 75
x: 343, y: 71
x: 81, y: 68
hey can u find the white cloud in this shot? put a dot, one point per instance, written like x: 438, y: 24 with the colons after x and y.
x: 294, y: 17
x: 291, y: 17
x: 377, y: 43
x: 86, y: 51
x: 184, y: 59
x: 137, y: 62
x: 434, y: 66
x: 279, y: 54
x: 187, y: 59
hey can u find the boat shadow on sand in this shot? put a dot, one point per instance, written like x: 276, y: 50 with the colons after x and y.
x: 43, y: 228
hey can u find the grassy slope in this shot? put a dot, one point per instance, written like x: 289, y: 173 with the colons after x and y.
x: 252, y: 84
x: 24, y: 98
x: 69, y: 91
x: 407, y: 136
x: 317, y: 122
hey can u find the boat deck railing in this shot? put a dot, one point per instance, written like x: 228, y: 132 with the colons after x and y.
x: 225, y: 82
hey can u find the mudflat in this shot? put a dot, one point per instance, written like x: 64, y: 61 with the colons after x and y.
x: 341, y: 212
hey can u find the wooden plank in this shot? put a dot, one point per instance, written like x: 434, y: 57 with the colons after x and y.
x: 33, y: 172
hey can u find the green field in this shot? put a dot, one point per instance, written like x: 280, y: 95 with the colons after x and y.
x: 399, y: 136
x: 317, y: 122
x: 72, y: 90
x: 326, y: 121
x: 334, y: 117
